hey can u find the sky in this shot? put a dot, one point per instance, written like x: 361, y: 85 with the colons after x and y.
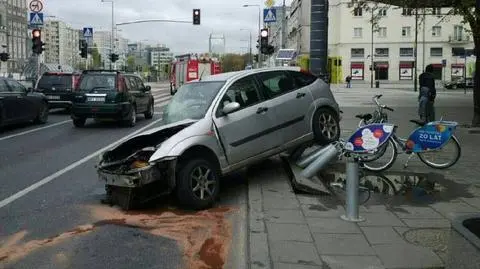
x: 218, y: 17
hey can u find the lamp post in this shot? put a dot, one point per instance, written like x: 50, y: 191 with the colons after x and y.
x: 259, y: 30
x: 249, y: 44
x: 113, y: 28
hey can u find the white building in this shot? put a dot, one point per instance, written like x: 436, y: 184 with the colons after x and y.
x: 61, y: 43
x: 14, y: 34
x: 350, y: 37
x: 102, y: 40
x: 160, y: 55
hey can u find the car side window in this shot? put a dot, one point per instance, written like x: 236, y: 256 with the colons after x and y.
x: 140, y: 83
x: 276, y: 83
x: 302, y: 79
x: 243, y: 91
x: 132, y: 83
x: 3, y: 86
x: 15, y: 86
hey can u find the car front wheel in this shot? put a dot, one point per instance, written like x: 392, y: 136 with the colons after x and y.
x: 42, y: 116
x: 198, y: 184
x: 326, y: 126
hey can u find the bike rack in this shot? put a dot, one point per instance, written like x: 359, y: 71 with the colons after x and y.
x: 352, y: 198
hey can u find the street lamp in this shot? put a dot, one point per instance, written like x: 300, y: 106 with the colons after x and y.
x: 113, y: 28
x: 249, y: 44
x: 259, y: 29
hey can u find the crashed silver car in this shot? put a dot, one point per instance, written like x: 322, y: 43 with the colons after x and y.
x: 217, y: 125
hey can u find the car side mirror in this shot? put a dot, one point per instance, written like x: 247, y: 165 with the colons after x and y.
x: 148, y: 88
x: 230, y: 107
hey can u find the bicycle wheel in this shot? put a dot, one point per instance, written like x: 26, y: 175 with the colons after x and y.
x: 453, y: 143
x: 371, y: 164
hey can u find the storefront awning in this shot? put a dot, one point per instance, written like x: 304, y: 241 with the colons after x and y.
x: 286, y: 54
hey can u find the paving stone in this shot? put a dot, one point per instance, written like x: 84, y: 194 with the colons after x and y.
x: 308, y: 200
x: 382, y: 235
x: 284, y: 216
x: 380, y: 219
x: 407, y: 256
x: 350, y: 262
x: 272, y: 193
x: 295, y: 252
x: 257, y: 223
x: 449, y: 209
x: 280, y: 203
x: 288, y: 232
x: 259, y: 251
x: 318, y: 211
x: 281, y: 265
x: 402, y: 230
x: 475, y: 202
x: 412, y: 212
x: 342, y: 244
x: 330, y: 225
x: 373, y: 209
x: 427, y: 223
x: 254, y: 193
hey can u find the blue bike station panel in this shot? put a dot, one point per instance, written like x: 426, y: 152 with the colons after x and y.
x: 369, y: 137
x: 433, y: 135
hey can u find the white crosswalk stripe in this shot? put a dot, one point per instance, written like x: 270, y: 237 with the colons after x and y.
x: 161, y: 96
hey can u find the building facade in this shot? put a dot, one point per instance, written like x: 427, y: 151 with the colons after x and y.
x: 3, y: 33
x: 160, y: 56
x: 15, y: 30
x: 62, y: 44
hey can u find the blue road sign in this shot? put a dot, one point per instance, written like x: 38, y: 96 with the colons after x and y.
x: 36, y: 19
x: 269, y: 15
x: 87, y: 32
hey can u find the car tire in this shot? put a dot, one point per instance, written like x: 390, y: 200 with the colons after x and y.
x: 80, y: 122
x: 132, y: 117
x: 151, y: 110
x: 42, y: 116
x: 203, y: 170
x: 326, y: 126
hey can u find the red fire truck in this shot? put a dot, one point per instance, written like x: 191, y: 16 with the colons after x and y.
x: 189, y: 67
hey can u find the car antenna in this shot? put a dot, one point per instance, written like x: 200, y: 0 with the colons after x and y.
x: 201, y: 75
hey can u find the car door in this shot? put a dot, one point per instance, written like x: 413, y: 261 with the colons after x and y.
x: 135, y: 91
x: 290, y: 104
x: 7, y: 104
x: 25, y: 108
x: 245, y: 132
x: 143, y: 95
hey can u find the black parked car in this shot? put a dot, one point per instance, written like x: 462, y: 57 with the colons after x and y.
x: 19, y: 104
x: 58, y: 87
x: 103, y: 94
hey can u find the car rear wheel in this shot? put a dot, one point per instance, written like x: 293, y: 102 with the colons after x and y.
x: 150, y: 111
x: 198, y: 184
x: 42, y: 116
x: 132, y: 117
x: 79, y: 122
x: 326, y: 126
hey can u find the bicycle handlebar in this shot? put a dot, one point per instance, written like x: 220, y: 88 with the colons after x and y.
x: 375, y: 99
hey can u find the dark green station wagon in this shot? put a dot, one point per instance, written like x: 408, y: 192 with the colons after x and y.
x: 111, y: 95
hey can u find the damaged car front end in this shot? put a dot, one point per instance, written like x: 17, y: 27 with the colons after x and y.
x: 130, y: 177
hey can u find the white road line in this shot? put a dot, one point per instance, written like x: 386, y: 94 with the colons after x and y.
x: 34, y: 130
x: 162, y: 99
x: 57, y: 174
x: 162, y: 104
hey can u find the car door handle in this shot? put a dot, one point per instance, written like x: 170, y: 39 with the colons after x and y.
x: 300, y: 94
x: 262, y: 109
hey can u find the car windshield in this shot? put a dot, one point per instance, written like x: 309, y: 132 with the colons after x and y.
x: 59, y: 82
x: 191, y: 101
x: 97, y: 82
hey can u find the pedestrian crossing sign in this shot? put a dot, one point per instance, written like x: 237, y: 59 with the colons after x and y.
x: 269, y: 15
x: 87, y: 32
x: 36, y: 19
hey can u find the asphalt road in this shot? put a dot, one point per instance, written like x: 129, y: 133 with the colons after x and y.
x: 51, y: 215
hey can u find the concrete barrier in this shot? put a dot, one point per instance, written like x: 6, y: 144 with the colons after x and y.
x: 464, y: 243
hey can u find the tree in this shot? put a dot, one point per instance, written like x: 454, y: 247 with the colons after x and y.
x: 96, y: 57
x: 470, y: 11
x: 233, y: 62
x: 131, y: 63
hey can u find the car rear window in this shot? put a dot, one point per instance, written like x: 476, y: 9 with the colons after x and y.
x: 97, y: 82
x: 303, y: 79
x: 59, y: 82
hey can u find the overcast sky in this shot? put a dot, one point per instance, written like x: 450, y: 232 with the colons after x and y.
x: 225, y: 17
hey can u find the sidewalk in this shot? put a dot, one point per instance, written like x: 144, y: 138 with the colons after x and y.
x: 299, y: 231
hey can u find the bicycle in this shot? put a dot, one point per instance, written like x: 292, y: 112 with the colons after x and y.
x: 428, y: 137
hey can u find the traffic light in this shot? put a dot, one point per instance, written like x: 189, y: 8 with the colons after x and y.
x: 270, y: 50
x: 113, y: 57
x: 4, y: 56
x: 264, y: 40
x: 37, y: 44
x: 196, y: 16
x: 84, y: 49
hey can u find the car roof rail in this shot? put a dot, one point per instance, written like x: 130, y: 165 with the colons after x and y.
x: 101, y: 70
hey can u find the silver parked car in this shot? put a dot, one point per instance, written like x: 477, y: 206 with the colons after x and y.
x: 216, y: 125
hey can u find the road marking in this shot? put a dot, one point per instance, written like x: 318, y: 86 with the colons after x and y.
x: 33, y: 130
x: 55, y: 175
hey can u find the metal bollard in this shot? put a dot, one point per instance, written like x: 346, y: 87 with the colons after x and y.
x: 352, y: 199
x: 331, y: 151
x: 312, y: 157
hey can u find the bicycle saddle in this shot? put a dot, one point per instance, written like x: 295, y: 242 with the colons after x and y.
x: 418, y: 122
x: 367, y: 116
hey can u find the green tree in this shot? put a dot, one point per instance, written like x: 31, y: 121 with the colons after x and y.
x: 232, y: 62
x: 131, y: 63
x: 96, y: 57
x: 470, y: 11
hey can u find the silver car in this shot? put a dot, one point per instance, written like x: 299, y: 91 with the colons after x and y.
x: 217, y: 125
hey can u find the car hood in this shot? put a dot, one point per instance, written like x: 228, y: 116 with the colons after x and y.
x: 150, y: 138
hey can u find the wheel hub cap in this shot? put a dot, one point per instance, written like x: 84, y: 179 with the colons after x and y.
x: 203, y: 182
x: 328, y: 126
